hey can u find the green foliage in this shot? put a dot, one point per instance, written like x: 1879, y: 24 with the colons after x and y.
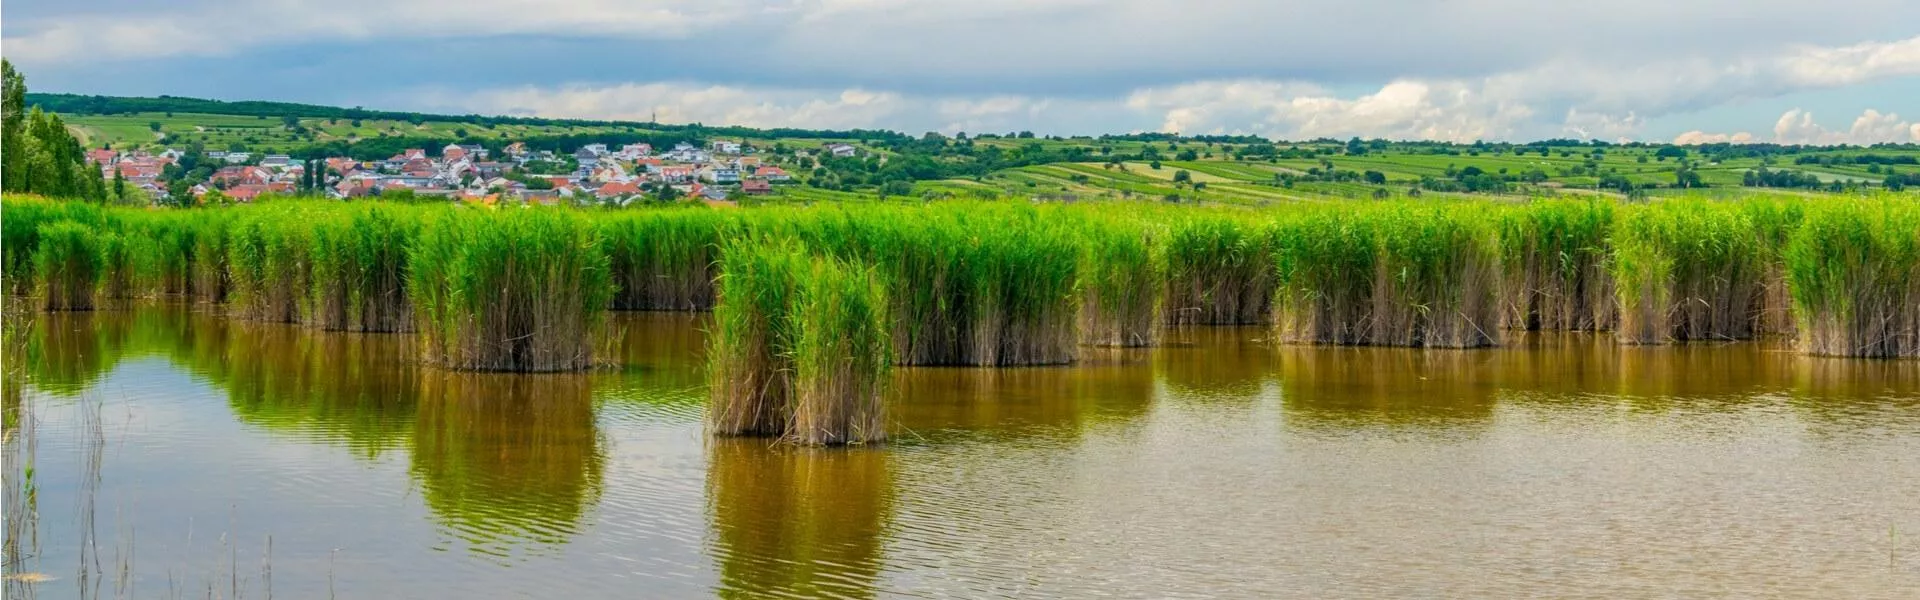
x: 1687, y: 269
x: 509, y: 290
x: 1555, y: 254
x: 70, y: 260
x: 1854, y: 271
x: 801, y: 348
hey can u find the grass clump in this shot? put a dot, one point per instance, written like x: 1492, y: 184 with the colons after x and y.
x: 1555, y: 255
x: 801, y: 349
x: 1687, y: 270
x: 69, y: 259
x: 1122, y: 284
x: 268, y: 265
x: 1854, y: 272
x: 1388, y: 275
x: 360, y: 270
x: 1219, y: 272
x: 665, y: 259
x: 508, y: 290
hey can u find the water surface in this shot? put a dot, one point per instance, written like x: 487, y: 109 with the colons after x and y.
x: 1218, y: 466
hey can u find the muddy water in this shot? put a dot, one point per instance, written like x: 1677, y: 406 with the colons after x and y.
x: 1219, y: 466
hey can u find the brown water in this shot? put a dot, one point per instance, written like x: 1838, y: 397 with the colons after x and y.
x: 1217, y: 467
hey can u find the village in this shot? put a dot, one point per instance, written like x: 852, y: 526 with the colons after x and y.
x: 721, y: 172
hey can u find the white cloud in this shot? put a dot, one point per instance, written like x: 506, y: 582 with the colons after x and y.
x: 1871, y: 127
x: 1697, y: 137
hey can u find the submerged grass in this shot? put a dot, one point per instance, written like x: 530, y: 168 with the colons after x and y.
x: 508, y: 290
x: 1854, y: 272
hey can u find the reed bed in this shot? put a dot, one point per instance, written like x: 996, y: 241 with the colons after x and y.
x: 665, y: 259
x: 270, y: 265
x: 509, y: 290
x: 70, y: 259
x: 985, y: 284
x: 1219, y: 271
x: 1854, y: 272
x: 1388, y: 275
x: 359, y: 272
x: 1555, y: 255
x: 1123, y: 273
x: 1687, y: 269
x: 801, y: 349
x: 1005, y: 283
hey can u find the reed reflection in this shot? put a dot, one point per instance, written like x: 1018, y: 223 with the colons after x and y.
x: 1106, y: 384
x: 797, y: 522
x: 1387, y: 386
x: 508, y: 463
x: 353, y: 389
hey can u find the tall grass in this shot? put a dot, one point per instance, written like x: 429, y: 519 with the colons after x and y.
x: 1391, y: 275
x: 978, y: 284
x: 1775, y: 219
x: 212, y: 233
x: 801, y: 349
x: 508, y: 290
x: 665, y: 259
x: 118, y: 253
x: 1555, y: 255
x: 1122, y: 284
x: 360, y: 269
x: 1219, y: 271
x: 269, y: 265
x: 1687, y: 269
x: 1854, y: 272
x: 69, y: 260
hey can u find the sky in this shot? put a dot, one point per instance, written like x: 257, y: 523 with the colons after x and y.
x: 1831, y: 72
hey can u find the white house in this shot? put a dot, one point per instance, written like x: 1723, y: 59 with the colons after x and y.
x: 842, y: 150
x: 726, y: 147
x: 238, y: 157
x: 720, y: 174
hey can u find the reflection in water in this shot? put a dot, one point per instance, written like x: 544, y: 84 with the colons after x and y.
x: 1341, y: 386
x: 507, y: 461
x: 798, y: 522
x: 349, y: 388
x: 1585, y: 467
x: 69, y: 351
x: 1107, y: 383
x: 1227, y: 362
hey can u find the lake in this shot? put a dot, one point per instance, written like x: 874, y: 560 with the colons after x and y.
x: 169, y: 445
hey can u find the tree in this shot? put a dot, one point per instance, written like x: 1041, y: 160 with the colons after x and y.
x: 1182, y: 176
x: 1375, y: 177
x: 1187, y: 154
x: 1687, y: 179
x: 1155, y: 165
x: 119, y: 185
x: 154, y: 125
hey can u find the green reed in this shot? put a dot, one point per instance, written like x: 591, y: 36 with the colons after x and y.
x: 1687, y: 269
x: 1123, y: 286
x: 359, y: 273
x: 517, y: 289
x: 665, y: 259
x: 1219, y: 270
x: 801, y: 349
x: 269, y: 263
x: 1854, y: 271
x: 1555, y: 255
x: 1399, y: 274
x: 69, y: 260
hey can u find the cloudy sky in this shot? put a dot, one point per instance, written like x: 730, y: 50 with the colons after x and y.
x: 1836, y: 71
